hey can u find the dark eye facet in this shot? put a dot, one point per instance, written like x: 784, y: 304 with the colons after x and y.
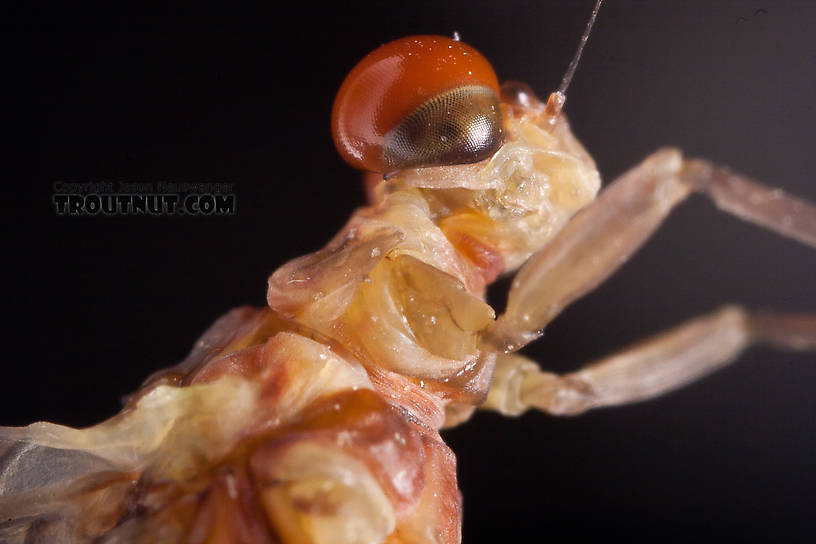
x: 462, y: 125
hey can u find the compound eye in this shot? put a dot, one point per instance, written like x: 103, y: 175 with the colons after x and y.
x: 418, y: 101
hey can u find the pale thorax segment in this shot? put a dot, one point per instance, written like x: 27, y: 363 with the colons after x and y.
x: 518, y: 199
x: 402, y: 285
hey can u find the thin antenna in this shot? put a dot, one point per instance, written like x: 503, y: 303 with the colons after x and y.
x: 555, y: 103
x: 574, y: 64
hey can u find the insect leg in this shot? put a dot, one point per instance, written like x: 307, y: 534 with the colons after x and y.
x: 753, y: 201
x: 602, y: 236
x: 649, y: 368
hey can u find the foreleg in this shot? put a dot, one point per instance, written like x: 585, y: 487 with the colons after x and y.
x: 649, y: 368
x: 600, y: 238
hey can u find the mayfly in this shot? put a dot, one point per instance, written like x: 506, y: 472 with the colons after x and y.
x: 305, y: 329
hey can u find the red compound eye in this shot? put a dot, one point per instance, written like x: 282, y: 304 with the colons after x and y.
x: 418, y: 101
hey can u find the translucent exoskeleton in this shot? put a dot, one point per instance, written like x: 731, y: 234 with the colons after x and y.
x: 665, y: 275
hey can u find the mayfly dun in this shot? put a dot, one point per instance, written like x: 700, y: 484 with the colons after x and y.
x: 109, y: 298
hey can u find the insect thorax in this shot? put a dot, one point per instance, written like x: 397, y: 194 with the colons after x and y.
x: 402, y: 285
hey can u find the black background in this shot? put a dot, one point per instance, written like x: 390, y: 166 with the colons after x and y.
x: 96, y: 304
